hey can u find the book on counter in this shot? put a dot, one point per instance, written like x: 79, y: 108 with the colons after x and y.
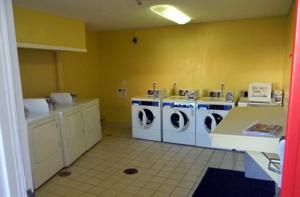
x: 259, y: 129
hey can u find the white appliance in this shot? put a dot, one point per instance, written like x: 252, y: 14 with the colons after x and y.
x: 45, y: 147
x: 44, y: 140
x: 92, y: 122
x: 179, y: 120
x: 209, y: 113
x: 260, y: 92
x: 72, y: 132
x: 146, y: 118
x: 90, y: 116
x: 80, y: 128
x: 244, y: 102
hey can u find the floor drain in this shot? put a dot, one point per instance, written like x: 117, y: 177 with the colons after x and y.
x: 64, y: 173
x: 130, y: 171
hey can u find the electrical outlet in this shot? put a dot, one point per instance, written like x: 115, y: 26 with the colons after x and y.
x: 122, y: 92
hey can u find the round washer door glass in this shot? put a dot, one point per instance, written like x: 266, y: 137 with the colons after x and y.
x: 211, y: 121
x: 179, y: 120
x: 145, y: 117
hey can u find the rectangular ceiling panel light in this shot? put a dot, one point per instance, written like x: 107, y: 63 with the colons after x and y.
x: 171, y: 13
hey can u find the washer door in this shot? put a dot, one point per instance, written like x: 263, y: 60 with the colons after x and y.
x: 179, y: 120
x: 146, y: 118
x: 211, y: 121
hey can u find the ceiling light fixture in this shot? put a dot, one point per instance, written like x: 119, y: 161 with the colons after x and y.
x: 171, y: 13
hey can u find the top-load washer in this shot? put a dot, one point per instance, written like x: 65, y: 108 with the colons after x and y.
x: 209, y: 113
x: 146, y: 118
x: 179, y: 120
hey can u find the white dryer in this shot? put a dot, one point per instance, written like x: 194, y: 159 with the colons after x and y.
x: 210, y: 112
x: 72, y: 132
x: 179, y: 120
x: 146, y: 118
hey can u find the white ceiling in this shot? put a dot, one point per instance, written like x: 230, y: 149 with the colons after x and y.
x: 127, y: 14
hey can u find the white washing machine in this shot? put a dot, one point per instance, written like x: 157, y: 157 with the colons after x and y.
x: 179, y: 120
x: 209, y: 113
x: 146, y: 118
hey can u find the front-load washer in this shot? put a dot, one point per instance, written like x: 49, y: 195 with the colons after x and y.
x: 146, y: 118
x: 179, y: 120
x: 209, y: 113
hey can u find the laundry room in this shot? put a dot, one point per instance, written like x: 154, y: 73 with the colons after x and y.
x: 144, y: 106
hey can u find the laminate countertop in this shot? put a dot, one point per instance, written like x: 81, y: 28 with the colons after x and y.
x: 228, y: 134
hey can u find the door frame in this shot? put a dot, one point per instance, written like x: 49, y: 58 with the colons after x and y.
x: 291, y: 167
x: 15, y: 170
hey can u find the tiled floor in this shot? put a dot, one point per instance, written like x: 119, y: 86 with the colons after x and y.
x: 163, y: 169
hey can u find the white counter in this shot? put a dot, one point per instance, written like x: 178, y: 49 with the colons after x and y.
x: 228, y: 134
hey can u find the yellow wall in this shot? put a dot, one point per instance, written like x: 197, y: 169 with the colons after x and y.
x: 288, y: 63
x: 38, y: 72
x: 38, y: 27
x: 195, y: 56
x: 79, y: 72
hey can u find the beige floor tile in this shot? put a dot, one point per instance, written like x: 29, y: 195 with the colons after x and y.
x: 139, y: 183
x: 164, y: 174
x: 97, y: 190
x: 163, y: 169
x: 106, y: 184
x: 132, y: 190
x: 50, y: 187
x: 93, y: 181
x: 190, y: 178
x: 152, y: 172
x: 88, y: 195
x: 145, y: 178
x: 159, y: 180
x: 176, y: 176
x: 145, y: 192
x: 152, y: 185
x: 72, y: 193
x: 160, y: 194
x: 181, y: 191
x: 171, y: 182
x: 109, y: 193
x: 186, y: 184
x: 127, y: 181
x: 194, y: 172
x: 125, y: 195
x: 118, y: 187
x: 84, y: 187
x: 64, y: 190
x: 166, y: 188
x: 45, y: 194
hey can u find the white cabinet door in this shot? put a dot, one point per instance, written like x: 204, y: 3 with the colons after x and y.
x: 92, y: 125
x: 73, y: 135
x: 46, y: 151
